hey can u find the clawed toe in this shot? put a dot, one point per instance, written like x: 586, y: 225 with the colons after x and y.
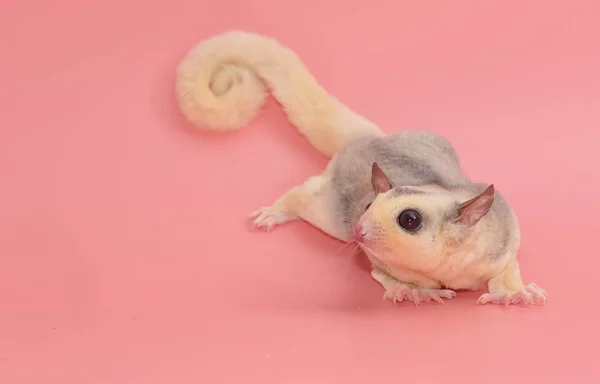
x: 418, y: 295
x: 539, y: 295
x: 529, y: 296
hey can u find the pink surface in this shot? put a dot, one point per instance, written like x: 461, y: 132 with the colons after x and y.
x: 125, y: 253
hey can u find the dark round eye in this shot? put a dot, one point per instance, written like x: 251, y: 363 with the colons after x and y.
x: 367, y: 207
x: 410, y: 220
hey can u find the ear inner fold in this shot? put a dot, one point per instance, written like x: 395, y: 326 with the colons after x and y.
x: 380, y: 182
x: 471, y: 211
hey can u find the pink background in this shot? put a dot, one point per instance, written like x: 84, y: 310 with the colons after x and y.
x: 126, y: 257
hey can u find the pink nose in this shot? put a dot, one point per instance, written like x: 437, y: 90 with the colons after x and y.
x: 360, y: 232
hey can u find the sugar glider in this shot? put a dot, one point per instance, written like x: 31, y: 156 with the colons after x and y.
x: 427, y: 230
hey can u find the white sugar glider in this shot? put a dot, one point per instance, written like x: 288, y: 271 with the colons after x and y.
x: 427, y: 230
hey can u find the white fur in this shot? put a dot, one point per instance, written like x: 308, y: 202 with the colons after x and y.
x: 220, y: 85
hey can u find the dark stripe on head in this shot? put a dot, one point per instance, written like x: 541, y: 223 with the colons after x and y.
x: 401, y: 191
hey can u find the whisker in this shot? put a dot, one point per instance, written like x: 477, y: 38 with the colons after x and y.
x: 343, y: 247
x: 355, y: 247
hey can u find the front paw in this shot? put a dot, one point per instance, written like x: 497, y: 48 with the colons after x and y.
x: 415, y: 295
x: 530, y: 295
x: 269, y: 217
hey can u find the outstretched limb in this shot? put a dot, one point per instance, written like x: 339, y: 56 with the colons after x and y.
x: 397, y: 291
x: 508, y: 288
x: 311, y: 201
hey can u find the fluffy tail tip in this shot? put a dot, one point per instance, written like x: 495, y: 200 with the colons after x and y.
x: 217, y: 96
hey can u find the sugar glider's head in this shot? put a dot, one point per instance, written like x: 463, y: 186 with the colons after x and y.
x: 414, y: 227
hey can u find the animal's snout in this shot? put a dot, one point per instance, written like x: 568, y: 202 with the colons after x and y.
x: 361, y: 230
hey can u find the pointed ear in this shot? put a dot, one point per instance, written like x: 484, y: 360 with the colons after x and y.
x: 471, y: 211
x: 379, y: 180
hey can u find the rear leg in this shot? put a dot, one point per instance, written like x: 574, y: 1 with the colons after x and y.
x: 311, y: 201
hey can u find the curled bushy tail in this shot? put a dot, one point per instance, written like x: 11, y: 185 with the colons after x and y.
x: 220, y: 85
